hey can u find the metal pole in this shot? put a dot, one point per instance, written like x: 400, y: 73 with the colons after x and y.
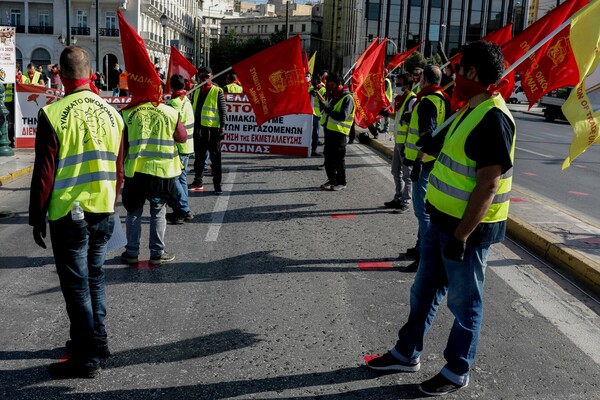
x: 69, y: 22
x: 98, y: 64
x: 287, y: 19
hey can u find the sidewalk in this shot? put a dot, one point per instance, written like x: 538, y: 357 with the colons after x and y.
x: 553, y: 233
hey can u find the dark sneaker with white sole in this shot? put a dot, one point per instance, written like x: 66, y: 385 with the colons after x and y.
x: 127, y: 259
x: 388, y: 362
x: 163, y: 258
x: 73, y: 369
x: 439, y: 385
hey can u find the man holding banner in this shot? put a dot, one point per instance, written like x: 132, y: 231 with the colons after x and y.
x: 468, y: 199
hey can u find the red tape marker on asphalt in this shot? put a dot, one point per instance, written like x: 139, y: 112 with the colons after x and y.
x: 65, y: 357
x: 369, y: 358
x: 517, y: 200
x: 143, y: 264
x: 197, y: 189
x: 365, y: 266
x: 344, y: 216
x: 579, y: 193
x: 591, y: 241
x: 529, y: 174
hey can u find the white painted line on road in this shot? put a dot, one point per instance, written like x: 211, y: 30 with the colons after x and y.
x: 535, y: 152
x: 220, y: 207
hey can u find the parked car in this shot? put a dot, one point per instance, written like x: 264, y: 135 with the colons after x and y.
x: 518, y: 96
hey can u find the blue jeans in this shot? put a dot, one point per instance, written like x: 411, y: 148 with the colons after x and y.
x: 463, y: 282
x: 419, y: 189
x: 158, y: 226
x: 79, y: 250
x: 315, y: 133
x: 181, y: 185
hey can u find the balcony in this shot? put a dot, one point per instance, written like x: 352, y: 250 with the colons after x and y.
x: 48, y: 30
x: 80, y: 30
x: 109, y: 32
x: 20, y: 28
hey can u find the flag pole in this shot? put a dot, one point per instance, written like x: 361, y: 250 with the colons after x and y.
x: 510, y: 69
x: 198, y: 86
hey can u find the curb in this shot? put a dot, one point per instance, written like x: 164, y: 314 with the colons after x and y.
x: 583, y: 268
x: 7, y: 178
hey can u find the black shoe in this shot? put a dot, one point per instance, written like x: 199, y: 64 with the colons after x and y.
x: 388, y: 362
x: 196, y: 185
x: 102, y: 349
x: 73, y: 368
x: 127, y: 259
x: 174, y: 219
x: 187, y: 216
x: 412, y: 252
x: 163, y: 258
x: 315, y: 154
x: 218, y: 189
x: 439, y: 385
x: 412, y: 267
x: 392, y: 204
x: 319, y: 143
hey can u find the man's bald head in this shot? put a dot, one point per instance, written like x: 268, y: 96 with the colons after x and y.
x: 74, y: 63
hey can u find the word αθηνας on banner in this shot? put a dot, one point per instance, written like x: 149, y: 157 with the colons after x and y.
x: 287, y: 135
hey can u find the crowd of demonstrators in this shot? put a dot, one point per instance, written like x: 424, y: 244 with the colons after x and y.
x: 401, y: 171
x: 209, y: 129
x: 468, y: 203
x: 430, y: 110
x: 337, y: 119
x: 77, y: 174
x: 180, y: 102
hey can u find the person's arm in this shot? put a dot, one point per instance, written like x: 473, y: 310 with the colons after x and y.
x: 427, y: 113
x: 222, y: 111
x: 180, y: 134
x: 120, y: 165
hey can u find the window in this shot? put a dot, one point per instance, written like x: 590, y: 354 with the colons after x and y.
x: 225, y: 31
x: 303, y: 27
x: 44, y: 18
x: 243, y: 27
x: 291, y: 27
x: 276, y: 28
x: 15, y: 17
x: 82, y: 19
x: 110, y: 20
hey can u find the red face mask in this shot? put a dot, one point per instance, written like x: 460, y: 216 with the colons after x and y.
x: 71, y: 84
x: 466, y: 88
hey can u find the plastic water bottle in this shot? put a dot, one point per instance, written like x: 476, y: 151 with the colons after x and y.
x: 77, y: 212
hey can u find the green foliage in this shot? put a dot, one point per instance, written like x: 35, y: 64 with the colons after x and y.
x: 231, y: 49
x: 415, y: 60
x: 435, y: 60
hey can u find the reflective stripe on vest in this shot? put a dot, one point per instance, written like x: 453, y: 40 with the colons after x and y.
x: 411, y: 150
x: 402, y: 130
x: 234, y: 88
x: 388, y: 89
x: 186, y: 113
x: 315, y: 100
x: 453, y: 177
x: 339, y: 126
x: 152, y: 148
x: 210, y: 108
x: 8, y: 92
x: 89, y: 134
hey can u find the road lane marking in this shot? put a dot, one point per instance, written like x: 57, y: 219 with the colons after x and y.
x: 218, y: 213
x: 535, y: 152
x: 343, y: 216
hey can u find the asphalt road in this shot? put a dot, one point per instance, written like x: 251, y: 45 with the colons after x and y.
x: 266, y: 300
x: 540, y: 151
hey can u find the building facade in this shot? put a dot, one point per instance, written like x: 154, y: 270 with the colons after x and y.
x: 43, y: 31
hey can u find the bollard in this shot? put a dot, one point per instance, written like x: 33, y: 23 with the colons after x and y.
x: 5, y: 149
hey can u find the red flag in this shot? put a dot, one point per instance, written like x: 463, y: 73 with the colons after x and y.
x: 553, y: 65
x: 142, y: 78
x: 369, y: 95
x: 362, y: 57
x: 399, y: 58
x: 179, y: 65
x: 275, y: 85
x: 305, y: 62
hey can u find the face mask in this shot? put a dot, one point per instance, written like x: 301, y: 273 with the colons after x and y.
x: 308, y: 79
x: 400, y: 91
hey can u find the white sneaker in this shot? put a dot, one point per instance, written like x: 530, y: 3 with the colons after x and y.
x: 337, y: 188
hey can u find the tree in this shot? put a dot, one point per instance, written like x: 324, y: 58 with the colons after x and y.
x: 415, y: 60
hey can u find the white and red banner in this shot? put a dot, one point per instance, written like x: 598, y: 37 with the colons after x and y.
x: 287, y: 135
x: 8, y: 60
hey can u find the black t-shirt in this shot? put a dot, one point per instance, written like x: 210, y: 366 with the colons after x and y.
x: 489, y: 143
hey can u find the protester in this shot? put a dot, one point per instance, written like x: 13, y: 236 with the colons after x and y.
x: 233, y: 85
x: 315, y: 87
x: 55, y: 82
x: 448, y: 79
x: 417, y: 76
x: 77, y: 175
x: 32, y: 77
x: 337, y: 118
x: 123, y: 85
x: 180, y: 102
x: 113, y: 79
x: 430, y: 110
x: 404, y: 102
x: 209, y: 123
x: 468, y: 201
x: 44, y: 76
x: 384, y: 123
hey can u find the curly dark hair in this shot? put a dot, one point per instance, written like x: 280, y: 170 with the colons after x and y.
x: 486, y: 58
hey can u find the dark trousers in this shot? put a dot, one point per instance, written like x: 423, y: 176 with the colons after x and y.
x: 335, y: 157
x: 79, y: 250
x: 315, y: 133
x: 208, y: 139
